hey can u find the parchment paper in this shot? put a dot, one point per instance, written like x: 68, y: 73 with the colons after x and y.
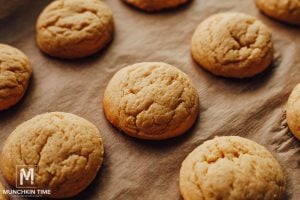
x: 135, y: 169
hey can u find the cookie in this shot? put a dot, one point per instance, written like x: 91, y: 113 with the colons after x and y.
x: 232, y: 45
x: 286, y: 11
x: 233, y: 168
x: 15, y: 72
x: 2, y: 195
x: 74, y: 28
x: 293, y: 110
x: 151, y: 100
x: 155, y: 5
x: 66, y: 149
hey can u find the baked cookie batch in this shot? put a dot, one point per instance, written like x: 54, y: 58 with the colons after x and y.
x: 148, y: 100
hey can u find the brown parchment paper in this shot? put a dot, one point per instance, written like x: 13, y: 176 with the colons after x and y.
x: 135, y: 169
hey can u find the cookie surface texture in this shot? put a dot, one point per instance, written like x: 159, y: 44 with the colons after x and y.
x: 232, y: 168
x: 151, y: 100
x: 232, y: 45
x: 293, y: 110
x: 285, y: 11
x: 15, y: 72
x: 155, y: 5
x: 66, y: 149
x: 74, y: 28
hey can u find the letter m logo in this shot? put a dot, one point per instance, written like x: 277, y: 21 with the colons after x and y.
x: 25, y: 176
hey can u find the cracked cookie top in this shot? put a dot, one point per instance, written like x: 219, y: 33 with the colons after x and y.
x: 151, y: 100
x: 74, y: 28
x: 232, y: 45
x: 155, y: 5
x: 66, y: 149
x: 286, y: 11
x: 233, y: 168
x: 293, y: 111
x: 15, y: 72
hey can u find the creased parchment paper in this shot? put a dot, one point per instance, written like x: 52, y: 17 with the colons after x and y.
x: 135, y: 169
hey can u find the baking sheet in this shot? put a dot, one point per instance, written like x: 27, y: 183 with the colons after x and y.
x: 136, y: 169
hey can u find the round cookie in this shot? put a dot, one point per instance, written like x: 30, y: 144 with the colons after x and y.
x: 15, y: 72
x: 285, y: 11
x: 74, y: 28
x: 293, y: 110
x: 232, y: 45
x: 2, y: 195
x: 151, y: 100
x: 67, y: 150
x: 155, y: 5
x: 231, y: 167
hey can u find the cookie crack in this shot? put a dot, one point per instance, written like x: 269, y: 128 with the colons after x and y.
x: 197, y: 182
x: 42, y: 148
x: 221, y: 59
x: 133, y: 104
x: 21, y: 154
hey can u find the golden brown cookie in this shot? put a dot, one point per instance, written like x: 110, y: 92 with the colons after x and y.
x: 232, y: 45
x: 286, y: 11
x: 151, y: 100
x: 232, y: 168
x: 293, y: 112
x: 155, y: 5
x: 15, y: 72
x: 2, y: 195
x: 74, y: 28
x: 66, y: 149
